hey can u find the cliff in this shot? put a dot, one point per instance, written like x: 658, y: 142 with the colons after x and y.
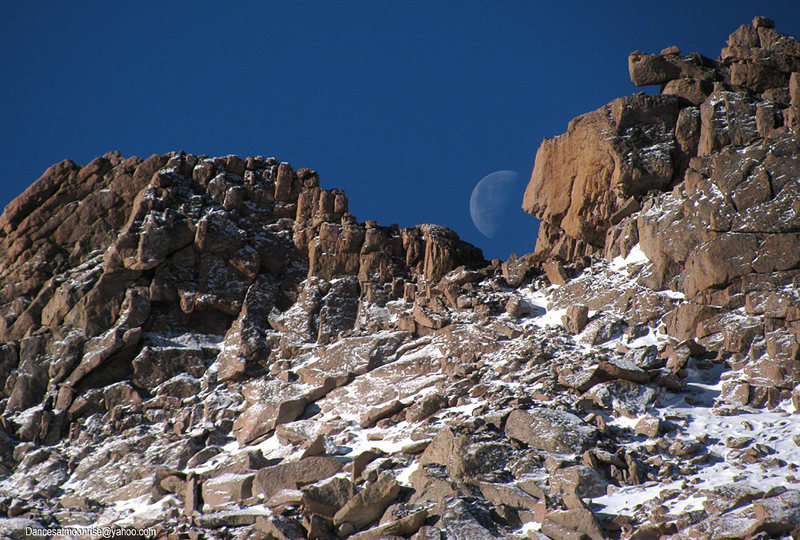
x: 216, y: 347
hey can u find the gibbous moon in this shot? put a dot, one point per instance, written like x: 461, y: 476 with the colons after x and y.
x: 495, y: 202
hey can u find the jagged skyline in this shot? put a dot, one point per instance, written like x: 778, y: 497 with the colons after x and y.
x: 406, y: 108
x: 201, y: 347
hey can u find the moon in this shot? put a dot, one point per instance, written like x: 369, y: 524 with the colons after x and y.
x: 495, y: 200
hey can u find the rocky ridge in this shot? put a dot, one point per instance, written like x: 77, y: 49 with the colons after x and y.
x: 216, y: 347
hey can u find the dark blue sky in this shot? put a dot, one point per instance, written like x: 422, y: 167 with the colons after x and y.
x: 405, y: 105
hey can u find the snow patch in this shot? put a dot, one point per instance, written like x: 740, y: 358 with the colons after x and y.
x: 634, y: 256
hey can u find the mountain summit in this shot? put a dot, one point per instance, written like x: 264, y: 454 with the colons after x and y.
x: 215, y: 347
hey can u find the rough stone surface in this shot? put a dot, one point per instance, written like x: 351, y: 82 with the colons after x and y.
x: 551, y: 430
x: 188, y: 341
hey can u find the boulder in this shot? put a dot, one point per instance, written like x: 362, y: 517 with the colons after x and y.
x: 649, y: 426
x: 575, y: 319
x: 227, y: 489
x: 279, y: 527
x: 619, y: 368
x: 403, y: 526
x: 574, y: 523
x: 551, y: 430
x: 328, y: 496
x: 431, y: 484
x: 508, y: 494
x: 580, y: 480
x: 463, y: 519
x: 271, y: 403
x: 464, y: 456
x: 555, y: 272
x: 693, y: 90
x: 726, y: 118
x: 780, y: 514
x: 602, y: 328
x: 623, y: 396
x: 156, y: 365
x: 368, y: 505
x: 293, y: 475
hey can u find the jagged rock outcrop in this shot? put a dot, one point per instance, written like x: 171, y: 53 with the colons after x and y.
x: 590, y: 176
x: 725, y: 230
x: 203, y: 245
x: 597, y: 173
x: 216, y: 347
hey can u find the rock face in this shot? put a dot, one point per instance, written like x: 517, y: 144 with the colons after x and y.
x: 585, y: 177
x: 722, y: 143
x: 597, y: 173
x: 216, y: 347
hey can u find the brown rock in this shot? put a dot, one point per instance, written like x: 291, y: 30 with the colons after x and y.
x: 372, y: 416
x: 318, y: 526
x: 192, y: 494
x: 507, y: 494
x: 458, y: 520
x: 602, y: 328
x: 272, y: 403
x: 285, y: 497
x: 728, y: 497
x: 687, y: 130
x: 153, y: 366
x: 763, y: 22
x: 583, y: 378
x: 241, y: 463
x: 517, y: 269
x: 577, y: 174
x: 693, y: 90
x: 517, y: 307
x: 766, y: 119
x: 551, y: 430
x: 649, y: 426
x: 427, y: 406
x: 39, y: 192
x: 650, y: 69
x: 100, y: 349
x: 218, y: 234
x: 735, y: 393
x: 444, y: 251
x: 427, y: 533
x: 580, y: 480
x: 718, y: 262
x: 328, y: 496
x: 463, y: 456
x: 350, y: 357
x: 293, y: 475
x: 630, y: 206
x: 794, y: 89
x: 426, y: 317
x: 368, y: 505
x: 576, y: 523
x: 625, y: 397
x: 284, y: 183
x: 227, y: 489
x: 780, y: 514
x: 279, y: 527
x: 725, y: 118
x: 430, y: 486
x: 402, y: 527
x: 361, y: 461
x: 619, y: 368
x: 744, y: 36
x: 555, y: 272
